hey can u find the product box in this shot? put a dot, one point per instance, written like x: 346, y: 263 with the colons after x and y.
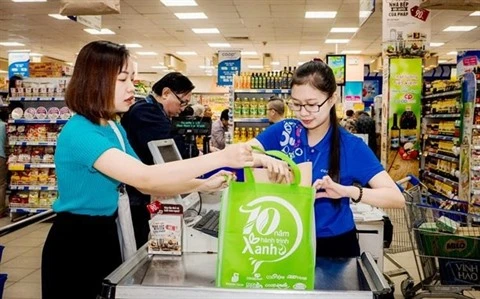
x: 459, y: 272
x: 465, y: 243
x: 165, y: 229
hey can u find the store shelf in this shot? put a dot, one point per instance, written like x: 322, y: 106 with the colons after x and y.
x: 276, y: 91
x: 37, y: 99
x: 27, y: 210
x: 442, y: 173
x: 438, y: 194
x: 37, y: 121
x: 445, y: 115
x: 34, y: 143
x: 443, y: 94
x: 442, y: 137
x: 251, y: 120
x: 23, y: 166
x: 443, y: 157
x: 32, y: 188
x: 441, y: 178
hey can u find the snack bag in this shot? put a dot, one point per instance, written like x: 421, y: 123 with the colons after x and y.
x: 165, y: 229
x: 267, y: 234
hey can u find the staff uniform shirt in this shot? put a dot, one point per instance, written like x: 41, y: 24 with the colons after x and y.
x: 333, y: 217
x: 82, y: 189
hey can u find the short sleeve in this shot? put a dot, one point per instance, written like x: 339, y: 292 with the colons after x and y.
x: 367, y: 167
x: 270, y: 138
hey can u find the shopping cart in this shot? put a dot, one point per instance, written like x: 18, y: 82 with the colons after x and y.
x: 445, y: 244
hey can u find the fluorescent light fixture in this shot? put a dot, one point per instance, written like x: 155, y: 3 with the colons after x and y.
x: 459, y: 28
x: 351, y: 52
x: 452, y: 53
x: 3, y: 72
x: 248, y: 53
x: 344, y: 29
x: 103, y: 31
x: 205, y: 30
x: 275, y: 63
x: 191, y: 15
x: 442, y: 61
x: 436, y: 44
x: 36, y: 55
x: 179, y: 2
x: 219, y: 45
x: 206, y: 67
x: 161, y: 67
x: 58, y: 16
x: 475, y: 14
x: 320, y: 14
x: 187, y: 53
x: 147, y: 53
x: 29, y: 0
x: 308, y: 52
x: 133, y: 46
x: 364, y: 13
x: 337, y: 41
x: 255, y: 66
x: 11, y: 44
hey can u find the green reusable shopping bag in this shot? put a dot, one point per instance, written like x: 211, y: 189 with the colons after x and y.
x: 266, y: 235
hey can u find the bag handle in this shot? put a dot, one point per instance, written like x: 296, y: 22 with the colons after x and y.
x: 280, y: 155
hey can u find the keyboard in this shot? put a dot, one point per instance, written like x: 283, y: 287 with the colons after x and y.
x: 209, y: 223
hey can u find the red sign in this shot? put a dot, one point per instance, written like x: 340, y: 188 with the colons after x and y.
x: 470, y: 60
x: 408, y: 96
x: 419, y: 13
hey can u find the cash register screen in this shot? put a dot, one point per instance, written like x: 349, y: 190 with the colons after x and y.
x: 164, y: 151
x: 168, y: 153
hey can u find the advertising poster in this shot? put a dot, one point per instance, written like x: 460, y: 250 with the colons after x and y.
x: 338, y: 65
x: 18, y: 64
x: 229, y: 62
x: 406, y: 28
x: 371, y: 89
x: 352, y: 95
x: 405, y: 93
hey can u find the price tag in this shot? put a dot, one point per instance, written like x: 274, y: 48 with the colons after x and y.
x: 16, y: 167
x: 419, y: 13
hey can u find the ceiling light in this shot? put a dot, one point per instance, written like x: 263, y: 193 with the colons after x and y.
x: 475, y: 14
x: 191, y: 15
x: 133, y: 46
x: 301, y: 62
x: 337, y: 41
x: 206, y: 67
x: 344, y: 29
x: 308, y: 52
x: 365, y: 13
x: 275, y: 63
x: 179, y: 2
x: 219, y: 45
x: 187, y: 53
x: 320, y: 14
x: 452, y: 53
x: 29, y: 0
x: 161, y: 67
x: 442, y: 61
x: 255, y: 66
x: 36, y: 55
x: 147, y: 53
x: 459, y: 28
x: 205, y: 30
x: 436, y: 44
x: 11, y: 44
x: 246, y: 53
x: 103, y: 31
x: 351, y: 52
x: 57, y: 16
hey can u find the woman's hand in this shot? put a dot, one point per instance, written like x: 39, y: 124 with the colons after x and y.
x: 278, y: 170
x: 330, y: 188
x: 216, y: 182
x: 237, y: 155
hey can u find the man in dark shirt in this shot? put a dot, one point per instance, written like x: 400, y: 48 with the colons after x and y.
x: 148, y: 120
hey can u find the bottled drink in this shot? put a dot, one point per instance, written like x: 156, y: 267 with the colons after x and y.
x: 250, y: 134
x: 257, y: 131
x: 254, y: 81
x: 236, y: 135
x: 285, y: 78
x: 289, y: 76
x: 261, y: 107
x: 408, y: 126
x: 243, y: 134
x: 237, y: 107
x: 394, y: 134
x: 245, y: 108
x: 248, y: 81
x: 253, y: 108
x: 262, y: 81
x: 228, y: 138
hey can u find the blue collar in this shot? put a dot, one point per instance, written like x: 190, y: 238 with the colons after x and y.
x: 321, y: 145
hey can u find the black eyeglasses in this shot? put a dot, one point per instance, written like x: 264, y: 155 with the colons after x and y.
x: 308, y: 107
x: 182, y: 102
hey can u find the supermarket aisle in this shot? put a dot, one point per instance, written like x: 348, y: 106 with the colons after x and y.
x: 22, y: 258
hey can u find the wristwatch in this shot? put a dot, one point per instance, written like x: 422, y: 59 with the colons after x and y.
x: 360, y: 188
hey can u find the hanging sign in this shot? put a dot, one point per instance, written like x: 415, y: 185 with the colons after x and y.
x: 228, y: 65
x: 19, y: 63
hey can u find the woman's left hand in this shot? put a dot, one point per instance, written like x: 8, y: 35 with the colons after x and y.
x: 330, y: 188
x: 216, y: 182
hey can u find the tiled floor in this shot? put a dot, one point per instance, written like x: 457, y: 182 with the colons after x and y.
x: 23, y: 249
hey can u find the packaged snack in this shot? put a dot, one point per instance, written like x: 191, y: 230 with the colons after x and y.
x: 41, y: 112
x: 43, y: 198
x: 24, y: 155
x: 43, y: 91
x: 43, y: 176
x: 29, y: 113
x: 13, y: 91
x: 52, y: 196
x: 41, y: 132
x: 33, y: 198
x: 15, y: 178
x: 37, y: 154
x: 28, y: 92
x: 53, y: 113
x: 166, y: 230
x: 52, y: 178
x: 35, y: 91
x: 65, y: 113
x: 14, y: 199
x: 17, y: 113
x: 33, y: 177
x: 20, y: 92
x: 21, y: 132
x: 24, y: 177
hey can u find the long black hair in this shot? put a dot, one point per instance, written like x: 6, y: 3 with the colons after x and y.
x: 320, y: 76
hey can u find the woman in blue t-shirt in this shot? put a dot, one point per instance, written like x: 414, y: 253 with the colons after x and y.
x: 82, y: 247
x: 342, y: 163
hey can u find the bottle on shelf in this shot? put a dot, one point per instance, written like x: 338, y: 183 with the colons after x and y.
x: 289, y: 75
x: 261, y: 107
x: 236, y: 135
x: 408, y: 126
x: 253, y: 108
x: 394, y: 134
x: 245, y: 108
x: 284, y: 78
x: 237, y: 107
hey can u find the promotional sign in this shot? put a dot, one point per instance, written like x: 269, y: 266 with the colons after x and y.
x: 406, y: 28
x: 19, y: 63
x: 228, y: 66
x: 352, y: 95
x: 338, y: 65
x: 405, y: 93
x: 371, y: 89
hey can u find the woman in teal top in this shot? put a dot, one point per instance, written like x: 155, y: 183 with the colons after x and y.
x: 82, y: 247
